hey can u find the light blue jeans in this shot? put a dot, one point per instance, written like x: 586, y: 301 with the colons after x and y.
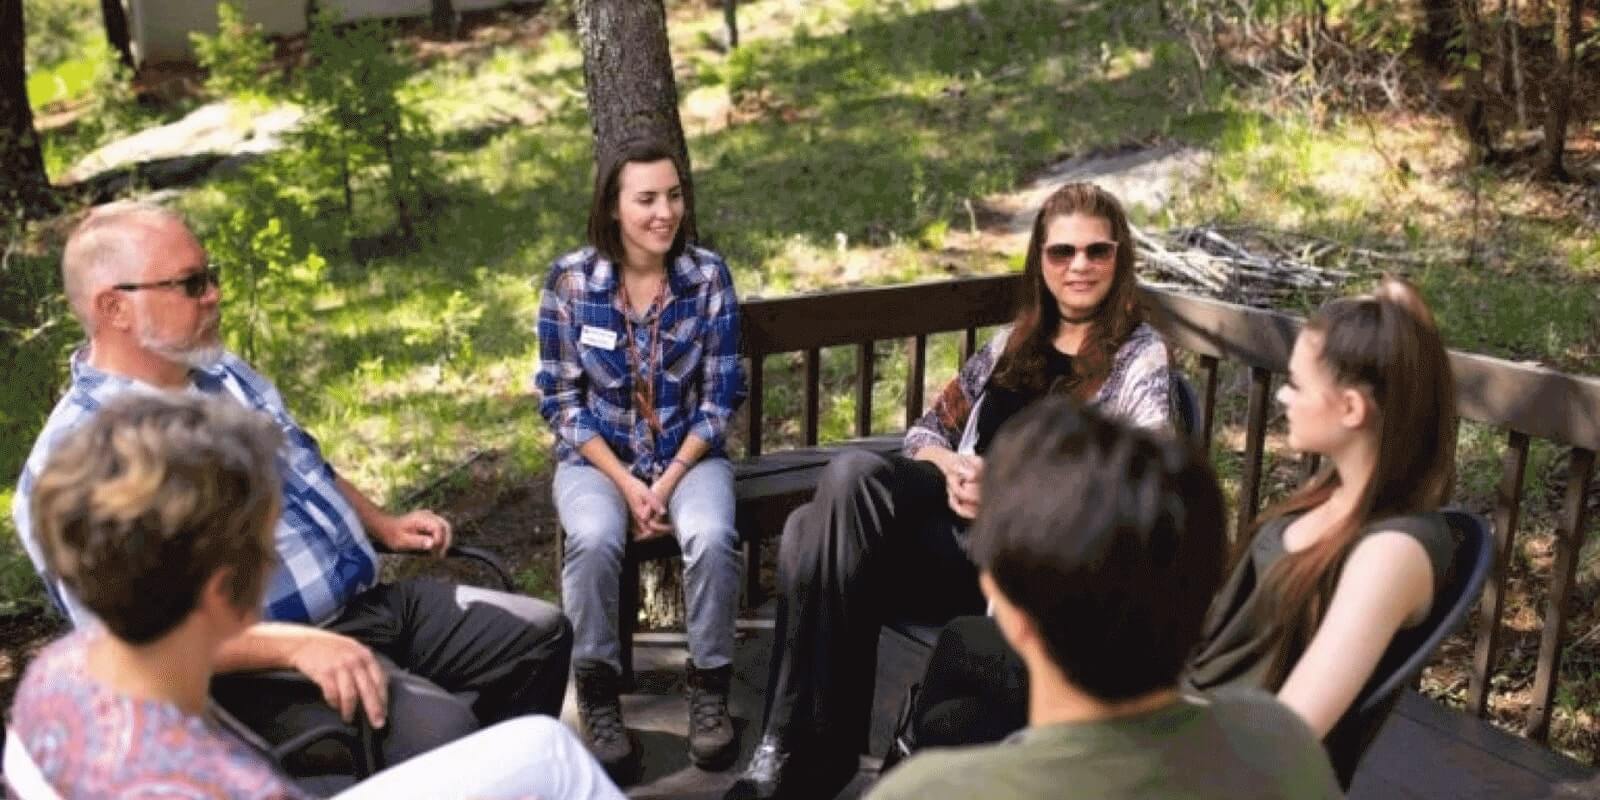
x: 595, y: 517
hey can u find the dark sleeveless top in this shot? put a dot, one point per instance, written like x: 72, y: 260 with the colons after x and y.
x: 1001, y: 404
x: 1237, y: 647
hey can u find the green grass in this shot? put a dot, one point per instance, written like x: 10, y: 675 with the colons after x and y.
x: 68, y: 80
x: 19, y: 586
x: 66, y: 50
x: 1518, y: 279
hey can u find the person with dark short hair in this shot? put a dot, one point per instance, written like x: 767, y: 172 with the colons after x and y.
x: 1104, y: 600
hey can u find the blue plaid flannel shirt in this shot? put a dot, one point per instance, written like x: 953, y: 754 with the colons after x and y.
x: 587, y: 390
x: 324, y: 557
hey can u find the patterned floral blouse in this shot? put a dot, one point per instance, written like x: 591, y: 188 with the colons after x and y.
x: 89, y: 741
x: 1137, y: 392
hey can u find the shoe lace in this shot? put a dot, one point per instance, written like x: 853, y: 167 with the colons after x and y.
x: 605, y: 722
x: 707, y: 710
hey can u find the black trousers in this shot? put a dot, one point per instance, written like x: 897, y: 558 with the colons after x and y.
x: 878, y: 540
x: 975, y: 688
x: 458, y: 658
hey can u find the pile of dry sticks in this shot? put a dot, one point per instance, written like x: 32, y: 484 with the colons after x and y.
x: 1256, y: 266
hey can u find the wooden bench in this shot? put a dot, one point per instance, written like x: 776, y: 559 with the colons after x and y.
x: 1525, y: 402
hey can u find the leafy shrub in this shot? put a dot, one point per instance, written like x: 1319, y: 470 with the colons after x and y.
x: 360, y: 123
x: 235, y: 59
x: 269, y: 279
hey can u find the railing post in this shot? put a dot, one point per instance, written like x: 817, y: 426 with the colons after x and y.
x: 752, y: 441
x: 1255, y: 440
x: 813, y: 389
x: 864, y: 389
x: 1211, y: 366
x: 915, y: 377
x: 1507, y: 511
x: 1569, y: 545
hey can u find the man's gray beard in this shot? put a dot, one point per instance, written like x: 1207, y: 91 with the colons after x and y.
x: 195, y: 357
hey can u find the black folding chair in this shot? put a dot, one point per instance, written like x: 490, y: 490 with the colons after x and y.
x: 1412, y: 649
x: 315, y: 722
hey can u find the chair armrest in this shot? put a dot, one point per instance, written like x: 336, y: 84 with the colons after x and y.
x: 465, y: 552
x: 358, y: 737
x: 469, y: 553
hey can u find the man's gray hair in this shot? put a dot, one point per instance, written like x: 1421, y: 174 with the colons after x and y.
x: 103, y: 248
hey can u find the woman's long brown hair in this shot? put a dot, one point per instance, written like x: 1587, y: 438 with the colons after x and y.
x: 1021, y: 367
x: 1387, y: 344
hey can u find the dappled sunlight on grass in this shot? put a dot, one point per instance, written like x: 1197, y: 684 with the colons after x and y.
x: 896, y: 120
x: 1523, y: 294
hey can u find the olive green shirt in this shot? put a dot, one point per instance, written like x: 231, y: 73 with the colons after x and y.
x: 1235, y: 745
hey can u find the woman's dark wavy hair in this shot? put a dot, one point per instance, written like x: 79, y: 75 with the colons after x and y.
x: 1388, y: 345
x: 605, y: 233
x: 1021, y: 367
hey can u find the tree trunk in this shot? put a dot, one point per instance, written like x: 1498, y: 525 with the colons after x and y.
x: 730, y: 14
x: 116, y: 22
x: 661, y: 603
x: 446, y: 22
x: 1475, y: 104
x: 1502, y: 49
x: 1438, y: 28
x: 24, y: 186
x: 627, y: 71
x: 1518, y: 81
x: 1558, y: 100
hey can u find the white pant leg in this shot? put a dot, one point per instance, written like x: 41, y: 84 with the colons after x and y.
x: 526, y: 757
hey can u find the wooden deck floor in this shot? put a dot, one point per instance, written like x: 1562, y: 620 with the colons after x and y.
x: 1425, y: 751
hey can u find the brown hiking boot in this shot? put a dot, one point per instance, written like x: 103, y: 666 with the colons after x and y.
x: 600, y: 719
x: 712, y: 742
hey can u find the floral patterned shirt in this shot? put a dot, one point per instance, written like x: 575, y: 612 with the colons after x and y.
x: 1136, y: 393
x: 93, y: 743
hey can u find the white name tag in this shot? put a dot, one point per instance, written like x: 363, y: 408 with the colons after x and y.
x: 598, y: 337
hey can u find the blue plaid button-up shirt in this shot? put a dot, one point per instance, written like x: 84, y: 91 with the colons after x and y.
x: 587, y: 387
x: 324, y: 557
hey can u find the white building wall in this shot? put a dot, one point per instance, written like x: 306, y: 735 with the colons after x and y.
x: 160, y: 28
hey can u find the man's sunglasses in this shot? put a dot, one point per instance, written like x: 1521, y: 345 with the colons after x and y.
x: 1096, y: 252
x: 194, y: 284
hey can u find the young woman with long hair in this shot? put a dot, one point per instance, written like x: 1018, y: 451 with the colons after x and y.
x: 1324, y: 580
x: 639, y: 370
x: 887, y: 536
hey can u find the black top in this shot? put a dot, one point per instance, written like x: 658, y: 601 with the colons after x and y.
x: 1000, y: 404
x: 1238, y: 645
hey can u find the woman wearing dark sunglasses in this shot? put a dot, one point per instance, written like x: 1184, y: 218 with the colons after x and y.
x: 886, y: 537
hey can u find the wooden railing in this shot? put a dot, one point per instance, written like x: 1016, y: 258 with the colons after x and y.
x: 1526, y: 402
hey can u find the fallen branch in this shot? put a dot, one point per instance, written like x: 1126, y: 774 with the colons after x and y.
x: 1252, y: 265
x: 428, y: 488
